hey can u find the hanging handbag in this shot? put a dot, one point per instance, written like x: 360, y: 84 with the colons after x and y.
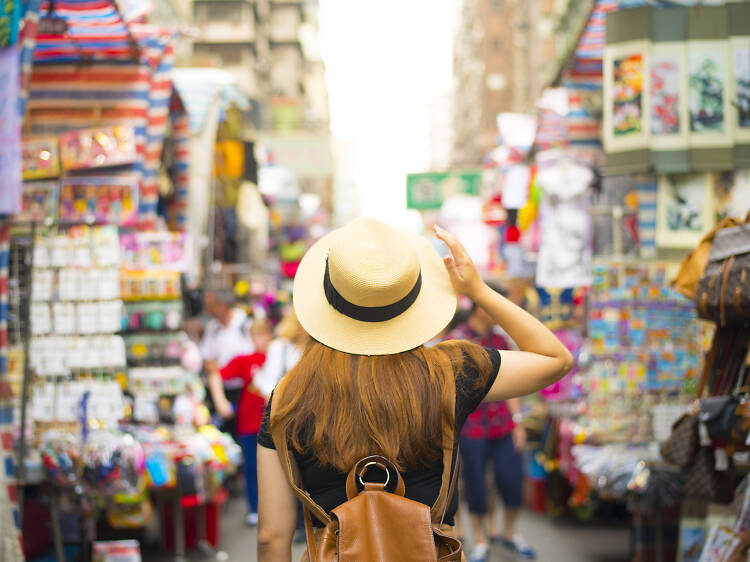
x: 704, y: 482
x: 694, y: 264
x: 720, y: 414
x: 723, y: 293
x: 680, y: 447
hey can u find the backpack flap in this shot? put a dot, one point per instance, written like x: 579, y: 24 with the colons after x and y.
x: 380, y: 526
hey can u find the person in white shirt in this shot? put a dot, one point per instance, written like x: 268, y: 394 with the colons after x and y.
x: 226, y: 336
x: 283, y: 353
x: 227, y: 332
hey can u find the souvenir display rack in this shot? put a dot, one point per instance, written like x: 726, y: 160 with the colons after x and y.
x: 96, y: 363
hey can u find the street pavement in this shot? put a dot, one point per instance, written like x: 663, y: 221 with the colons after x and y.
x: 555, y: 541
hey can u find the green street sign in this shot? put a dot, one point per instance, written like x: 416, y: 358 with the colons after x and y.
x: 426, y: 192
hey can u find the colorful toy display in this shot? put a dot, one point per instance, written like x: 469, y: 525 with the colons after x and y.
x: 40, y: 158
x: 155, y: 250
x: 150, y: 285
x: 98, y: 148
x: 101, y: 199
x: 39, y: 201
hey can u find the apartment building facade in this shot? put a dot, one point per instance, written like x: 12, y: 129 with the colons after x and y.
x: 501, y: 53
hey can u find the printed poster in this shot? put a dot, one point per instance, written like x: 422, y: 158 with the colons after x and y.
x: 627, y: 101
x: 627, y: 91
x: 665, y: 94
x: 706, y: 73
x: 685, y: 209
x: 10, y: 133
x: 741, y: 62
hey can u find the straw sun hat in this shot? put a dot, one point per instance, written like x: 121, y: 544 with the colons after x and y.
x: 370, y: 289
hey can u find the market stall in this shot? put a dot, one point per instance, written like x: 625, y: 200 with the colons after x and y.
x: 107, y: 408
x: 592, y: 203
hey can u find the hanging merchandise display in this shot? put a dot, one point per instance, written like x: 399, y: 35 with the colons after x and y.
x: 739, y: 28
x: 669, y: 89
x: 10, y: 128
x: 40, y: 158
x: 565, y: 252
x: 671, y: 77
x: 685, y: 209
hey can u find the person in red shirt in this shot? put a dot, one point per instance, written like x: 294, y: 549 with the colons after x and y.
x: 250, y: 408
x: 492, y: 434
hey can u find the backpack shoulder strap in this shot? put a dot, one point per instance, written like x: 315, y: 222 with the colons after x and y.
x: 450, y: 471
x: 292, y: 470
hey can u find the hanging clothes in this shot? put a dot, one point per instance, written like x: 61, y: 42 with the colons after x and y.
x: 565, y: 253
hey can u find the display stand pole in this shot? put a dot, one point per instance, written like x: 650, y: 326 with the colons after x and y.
x: 179, y: 530
x: 56, y: 531
x: 25, y: 385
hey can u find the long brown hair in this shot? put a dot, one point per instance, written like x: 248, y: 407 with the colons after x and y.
x: 342, y: 407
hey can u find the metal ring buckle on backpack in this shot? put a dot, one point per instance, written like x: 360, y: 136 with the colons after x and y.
x: 375, y: 463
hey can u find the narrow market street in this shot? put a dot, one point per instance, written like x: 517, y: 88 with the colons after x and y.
x: 408, y: 264
x: 556, y: 541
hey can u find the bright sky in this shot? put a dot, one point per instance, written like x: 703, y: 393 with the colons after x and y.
x: 385, y: 62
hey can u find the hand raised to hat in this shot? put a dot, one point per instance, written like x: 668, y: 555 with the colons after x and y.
x: 464, y: 275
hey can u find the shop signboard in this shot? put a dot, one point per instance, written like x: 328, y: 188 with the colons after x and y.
x: 307, y: 154
x: 427, y: 191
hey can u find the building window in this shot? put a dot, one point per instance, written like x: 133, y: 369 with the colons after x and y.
x: 228, y: 55
x: 225, y: 12
x: 497, y: 6
x: 498, y: 43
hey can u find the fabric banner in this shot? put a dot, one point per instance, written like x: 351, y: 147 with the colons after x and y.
x: 10, y: 520
x: 647, y: 218
x: 10, y: 132
x: 10, y: 14
x: 627, y: 92
x: 669, y: 114
x: 685, y: 209
x: 709, y: 103
x: 739, y: 29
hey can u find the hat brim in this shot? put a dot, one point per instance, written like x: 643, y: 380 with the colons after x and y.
x: 423, y: 320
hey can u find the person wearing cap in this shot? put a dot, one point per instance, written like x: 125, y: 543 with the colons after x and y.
x: 370, y: 296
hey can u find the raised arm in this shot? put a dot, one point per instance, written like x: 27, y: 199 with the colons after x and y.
x: 541, y: 359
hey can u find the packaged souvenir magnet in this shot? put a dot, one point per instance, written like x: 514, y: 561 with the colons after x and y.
x: 40, y: 158
x: 98, y: 148
x: 152, y: 316
x: 150, y: 285
x: 155, y: 250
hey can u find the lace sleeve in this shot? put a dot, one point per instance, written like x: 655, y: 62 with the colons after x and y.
x: 472, y: 386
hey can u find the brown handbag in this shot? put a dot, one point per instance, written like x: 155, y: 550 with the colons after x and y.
x: 704, y: 482
x: 374, y: 525
x: 723, y: 293
x: 682, y: 444
x: 694, y: 264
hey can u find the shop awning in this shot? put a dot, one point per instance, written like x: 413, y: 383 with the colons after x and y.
x: 94, y: 31
x: 199, y: 88
x: 586, y: 49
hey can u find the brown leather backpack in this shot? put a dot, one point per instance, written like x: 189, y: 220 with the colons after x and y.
x: 374, y: 525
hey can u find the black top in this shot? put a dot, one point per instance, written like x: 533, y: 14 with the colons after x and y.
x: 327, y: 486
